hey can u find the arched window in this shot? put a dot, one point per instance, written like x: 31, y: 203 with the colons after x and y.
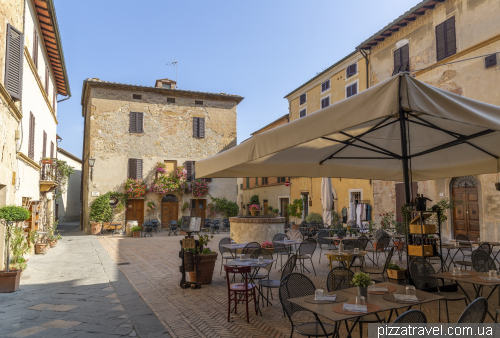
x: 169, y: 198
x: 464, y: 182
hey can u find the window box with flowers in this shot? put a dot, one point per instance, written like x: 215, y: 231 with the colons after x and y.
x: 173, y: 183
x: 160, y: 169
x: 254, y: 209
x: 135, y: 188
x: 151, y: 207
x: 198, y: 188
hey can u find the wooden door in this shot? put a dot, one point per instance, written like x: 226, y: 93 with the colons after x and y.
x: 400, y: 197
x: 198, y: 208
x: 466, y: 212
x: 284, y: 204
x: 135, y: 211
x: 169, y: 212
x: 266, y: 204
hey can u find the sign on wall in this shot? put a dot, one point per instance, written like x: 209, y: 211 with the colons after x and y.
x: 95, y: 193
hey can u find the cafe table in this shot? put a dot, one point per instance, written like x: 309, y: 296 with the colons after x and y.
x: 383, y: 302
x: 234, y: 247
x: 288, y: 244
x: 472, y: 277
x: 345, y: 256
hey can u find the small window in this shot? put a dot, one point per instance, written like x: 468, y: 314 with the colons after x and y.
x: 325, y: 102
x: 325, y: 85
x: 166, y: 85
x: 351, y: 90
x: 193, y: 204
x: 302, y: 113
x: 35, y: 48
x: 248, y: 182
x: 352, y: 70
x: 401, y: 59
x: 135, y: 168
x: 198, y: 102
x: 256, y: 181
x: 303, y: 98
x: 170, y: 100
x: 264, y: 180
x: 137, y: 97
x: 199, y: 127
x: 31, y: 144
x: 446, y: 41
x: 189, y: 170
x: 136, y: 122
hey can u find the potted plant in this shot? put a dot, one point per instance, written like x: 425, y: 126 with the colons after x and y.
x: 268, y: 245
x: 276, y: 212
x: 136, y: 231
x: 207, y: 261
x: 10, y: 216
x: 362, y: 280
x: 53, y: 236
x: 47, y: 160
x: 295, y: 209
x: 150, y: 207
x: 42, y: 246
x: 395, y: 272
x: 20, y: 264
x: 20, y: 246
x: 254, y: 209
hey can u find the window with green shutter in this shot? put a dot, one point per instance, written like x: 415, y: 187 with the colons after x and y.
x: 248, y: 182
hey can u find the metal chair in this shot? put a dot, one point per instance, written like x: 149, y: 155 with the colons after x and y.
x: 339, y: 278
x: 274, y: 284
x: 206, y: 224
x: 215, y: 226
x: 155, y: 225
x: 239, y: 289
x: 421, y: 272
x: 486, y: 248
x: 147, y: 229
x: 225, y: 253
x: 280, y: 249
x: 322, y: 241
x: 465, y: 249
x: 250, y: 248
x: 482, y: 261
x: 297, y: 285
x: 411, y: 317
x: 382, y: 245
x: 382, y: 271
x: 306, y: 251
x: 475, y: 312
x: 173, y: 228
x: 226, y: 224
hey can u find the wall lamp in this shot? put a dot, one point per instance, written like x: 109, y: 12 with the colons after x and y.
x: 91, y: 165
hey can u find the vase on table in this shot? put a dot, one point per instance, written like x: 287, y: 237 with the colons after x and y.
x: 363, y: 291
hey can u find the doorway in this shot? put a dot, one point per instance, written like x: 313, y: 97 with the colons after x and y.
x: 169, y: 210
x: 135, y: 211
x: 266, y: 205
x: 198, y: 208
x: 283, y: 205
x: 465, y: 192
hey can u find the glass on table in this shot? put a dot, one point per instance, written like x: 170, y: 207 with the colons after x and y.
x: 492, y: 273
x: 360, y: 300
x: 456, y: 270
x: 410, y: 290
x: 261, y: 259
x: 318, y: 294
x: 356, y: 250
x: 242, y: 257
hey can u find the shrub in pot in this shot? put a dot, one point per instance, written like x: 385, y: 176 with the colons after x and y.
x: 362, y: 280
x: 207, y: 261
x: 395, y: 272
x: 136, y: 231
x: 53, y: 236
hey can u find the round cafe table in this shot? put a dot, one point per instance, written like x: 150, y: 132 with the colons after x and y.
x: 345, y: 256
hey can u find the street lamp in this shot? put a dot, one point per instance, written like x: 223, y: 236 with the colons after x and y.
x: 91, y: 165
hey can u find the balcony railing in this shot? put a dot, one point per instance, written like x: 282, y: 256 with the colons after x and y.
x: 48, y: 171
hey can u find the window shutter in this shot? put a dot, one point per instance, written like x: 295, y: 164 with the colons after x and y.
x: 31, y: 146
x: 140, y: 122
x: 35, y: 48
x: 201, y: 127
x: 405, y: 58
x: 195, y: 126
x: 14, y: 63
x: 132, y: 168
x: 44, y: 149
x: 51, y: 149
x: 354, y: 89
x: 47, y: 79
x: 133, y: 122
x: 440, y: 41
x: 138, y: 170
x: 189, y: 170
x: 397, y: 61
x: 348, y: 92
x: 451, y: 43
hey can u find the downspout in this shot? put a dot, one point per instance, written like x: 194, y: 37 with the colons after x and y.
x: 367, y: 61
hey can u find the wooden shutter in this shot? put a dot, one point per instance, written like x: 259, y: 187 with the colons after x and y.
x: 189, y: 170
x: 44, y: 149
x: 201, y: 127
x: 451, y: 42
x: 440, y: 41
x: 133, y: 122
x: 14, y: 63
x: 51, y: 149
x: 132, y: 168
x: 140, y: 122
x: 31, y: 145
x: 138, y: 170
x: 195, y: 126
x: 405, y: 58
x: 348, y: 92
x: 397, y: 61
x: 35, y: 47
x: 47, y: 79
x: 354, y: 89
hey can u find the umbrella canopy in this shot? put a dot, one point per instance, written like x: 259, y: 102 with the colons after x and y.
x: 372, y: 135
x: 327, y: 200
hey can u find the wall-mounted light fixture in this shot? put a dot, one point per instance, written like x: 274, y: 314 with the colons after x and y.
x: 91, y: 165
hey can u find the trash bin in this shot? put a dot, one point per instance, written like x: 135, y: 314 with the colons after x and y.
x: 131, y: 224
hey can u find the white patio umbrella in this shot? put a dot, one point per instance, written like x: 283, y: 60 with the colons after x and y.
x: 327, y: 200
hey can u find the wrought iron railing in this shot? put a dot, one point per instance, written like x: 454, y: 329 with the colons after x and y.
x: 48, y: 171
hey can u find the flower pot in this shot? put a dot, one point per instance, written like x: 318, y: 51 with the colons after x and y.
x: 295, y: 226
x: 9, y: 281
x: 378, y: 247
x: 95, y: 228
x: 53, y: 243
x: 41, y: 248
x: 207, y: 265
x: 47, y: 161
x: 270, y: 250
x: 363, y: 291
x: 136, y: 234
x: 254, y: 212
x: 396, y: 274
x: 398, y: 245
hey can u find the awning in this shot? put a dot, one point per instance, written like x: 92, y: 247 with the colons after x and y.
x: 447, y: 135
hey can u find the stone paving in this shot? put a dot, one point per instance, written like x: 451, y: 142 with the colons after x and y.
x: 152, y: 266
x: 75, y: 290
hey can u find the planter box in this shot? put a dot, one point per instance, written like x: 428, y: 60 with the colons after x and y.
x: 416, y: 250
x: 95, y: 228
x: 41, y: 248
x: 47, y: 161
x: 136, y: 234
x: 207, y: 265
x: 427, y: 228
x: 53, y: 243
x: 9, y: 281
x: 378, y: 247
x: 396, y: 274
x: 254, y: 212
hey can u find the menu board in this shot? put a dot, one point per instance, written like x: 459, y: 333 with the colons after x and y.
x: 195, y: 224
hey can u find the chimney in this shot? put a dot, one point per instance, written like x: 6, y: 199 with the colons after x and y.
x: 165, y: 83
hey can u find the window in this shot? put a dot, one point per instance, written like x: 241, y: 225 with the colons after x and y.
x: 302, y: 113
x: 189, y: 170
x: 136, y: 122
x: 137, y: 97
x: 325, y: 85
x: 198, y: 102
x: 248, y: 182
x: 31, y: 144
x: 35, y: 48
x: 51, y: 149
x: 352, y: 70
x: 325, y: 102
x: 46, y: 79
x: 281, y: 180
x: 44, y: 147
x: 166, y: 85
x: 351, y: 90
x: 264, y: 180
x: 241, y: 186
x: 171, y: 166
x: 170, y: 100
x: 14, y: 63
x: 256, y: 181
x: 401, y: 59
x: 446, y: 43
x: 135, y: 168
x: 303, y: 98
x: 199, y: 127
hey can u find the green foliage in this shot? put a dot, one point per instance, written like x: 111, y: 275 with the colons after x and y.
x: 275, y: 211
x: 225, y: 207
x: 442, y: 205
x: 53, y: 233
x: 63, y: 171
x: 203, y: 241
x: 371, y: 226
x: 207, y: 251
x: 12, y: 213
x: 361, y: 279
x: 254, y: 199
x: 186, y: 206
x: 270, y: 208
x: 19, y: 245
x: 295, y: 208
x: 314, y: 216
x: 393, y: 266
x: 135, y: 228
x: 336, y: 218
x: 100, y: 210
x: 404, y: 225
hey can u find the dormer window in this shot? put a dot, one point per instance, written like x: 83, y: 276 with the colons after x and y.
x: 166, y: 85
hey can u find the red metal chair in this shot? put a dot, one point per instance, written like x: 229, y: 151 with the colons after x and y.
x: 237, y: 289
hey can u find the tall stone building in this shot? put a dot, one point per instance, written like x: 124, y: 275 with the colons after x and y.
x: 128, y: 129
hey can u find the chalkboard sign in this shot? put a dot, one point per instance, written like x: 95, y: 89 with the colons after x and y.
x: 195, y: 224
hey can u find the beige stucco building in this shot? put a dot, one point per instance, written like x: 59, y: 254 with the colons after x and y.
x: 129, y: 128
x: 68, y: 205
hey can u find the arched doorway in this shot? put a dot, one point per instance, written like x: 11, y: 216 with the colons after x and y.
x: 169, y: 210
x: 464, y: 191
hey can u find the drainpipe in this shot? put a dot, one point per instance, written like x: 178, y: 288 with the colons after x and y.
x: 365, y: 55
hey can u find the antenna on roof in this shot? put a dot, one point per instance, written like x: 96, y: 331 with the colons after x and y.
x: 173, y: 63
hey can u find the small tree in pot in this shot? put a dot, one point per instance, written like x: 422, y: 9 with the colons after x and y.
x: 362, y: 281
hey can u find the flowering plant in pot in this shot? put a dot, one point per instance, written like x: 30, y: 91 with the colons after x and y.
x: 254, y: 209
x: 268, y: 245
x: 362, y: 280
x: 10, y: 217
x: 150, y: 206
x: 207, y: 260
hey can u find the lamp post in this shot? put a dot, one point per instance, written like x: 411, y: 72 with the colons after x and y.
x: 91, y: 165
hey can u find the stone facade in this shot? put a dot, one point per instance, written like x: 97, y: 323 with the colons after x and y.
x: 167, y: 136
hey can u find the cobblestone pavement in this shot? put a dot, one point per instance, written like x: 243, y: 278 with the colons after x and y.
x: 152, y: 266
x: 75, y: 290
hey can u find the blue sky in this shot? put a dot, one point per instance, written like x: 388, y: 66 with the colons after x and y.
x: 261, y: 50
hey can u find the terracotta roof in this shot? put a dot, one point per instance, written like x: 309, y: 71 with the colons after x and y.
x: 46, y: 15
x: 402, y: 21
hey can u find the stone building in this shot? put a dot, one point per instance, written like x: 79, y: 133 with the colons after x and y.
x: 434, y: 34
x: 128, y: 129
x: 68, y: 205
x: 272, y: 191
x: 32, y: 74
x: 343, y: 79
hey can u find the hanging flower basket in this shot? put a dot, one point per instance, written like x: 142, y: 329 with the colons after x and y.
x: 135, y: 188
